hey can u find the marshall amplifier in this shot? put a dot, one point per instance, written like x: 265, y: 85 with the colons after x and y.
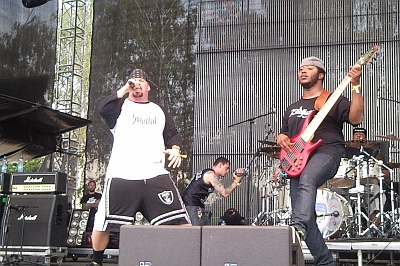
x: 35, y: 220
x: 51, y: 182
x: 4, y: 183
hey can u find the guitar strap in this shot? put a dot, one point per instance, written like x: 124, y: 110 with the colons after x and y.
x: 321, y: 99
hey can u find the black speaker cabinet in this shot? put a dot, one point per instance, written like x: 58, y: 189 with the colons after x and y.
x: 5, y: 183
x: 159, y: 245
x: 250, y: 245
x: 36, y: 220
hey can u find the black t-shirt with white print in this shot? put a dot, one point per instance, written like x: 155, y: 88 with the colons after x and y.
x: 330, y: 130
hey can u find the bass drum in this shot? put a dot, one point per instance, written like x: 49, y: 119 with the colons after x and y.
x: 333, y: 214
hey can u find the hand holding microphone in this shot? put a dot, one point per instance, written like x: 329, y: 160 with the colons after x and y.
x: 133, y: 85
x: 238, y: 174
x: 129, y: 86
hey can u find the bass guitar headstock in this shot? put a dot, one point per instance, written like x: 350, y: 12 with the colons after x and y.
x: 366, y: 58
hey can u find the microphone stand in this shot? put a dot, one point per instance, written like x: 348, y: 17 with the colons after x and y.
x: 247, y: 169
x: 5, y: 231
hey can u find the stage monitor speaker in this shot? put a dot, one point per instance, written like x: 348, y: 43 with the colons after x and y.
x: 250, y: 245
x: 77, y: 227
x: 159, y: 245
x: 36, y: 220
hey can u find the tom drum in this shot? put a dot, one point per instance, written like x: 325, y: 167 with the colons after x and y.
x: 344, y: 177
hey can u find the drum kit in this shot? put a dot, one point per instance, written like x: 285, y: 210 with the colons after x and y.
x: 344, y: 206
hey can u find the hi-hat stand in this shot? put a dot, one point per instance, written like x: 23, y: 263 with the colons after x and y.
x: 270, y: 212
x: 383, y: 217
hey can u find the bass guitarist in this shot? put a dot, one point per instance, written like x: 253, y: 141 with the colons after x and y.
x: 324, y: 161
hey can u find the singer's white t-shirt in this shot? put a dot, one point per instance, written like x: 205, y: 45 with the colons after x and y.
x: 138, y: 148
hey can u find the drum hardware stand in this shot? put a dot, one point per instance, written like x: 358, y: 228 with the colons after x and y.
x: 260, y: 219
x: 275, y: 208
x: 358, y: 213
x: 360, y: 189
x: 394, y: 197
x: 394, y: 204
x: 251, y: 122
x: 266, y: 195
x: 382, y: 215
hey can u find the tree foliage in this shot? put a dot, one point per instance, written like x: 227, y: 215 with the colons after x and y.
x: 156, y: 36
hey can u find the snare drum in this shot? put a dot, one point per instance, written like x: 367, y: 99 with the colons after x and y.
x: 344, y: 177
x: 333, y: 213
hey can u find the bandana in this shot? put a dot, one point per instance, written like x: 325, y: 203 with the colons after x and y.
x: 360, y: 129
x: 138, y: 73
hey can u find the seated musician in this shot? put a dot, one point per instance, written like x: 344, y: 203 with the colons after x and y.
x: 92, y: 198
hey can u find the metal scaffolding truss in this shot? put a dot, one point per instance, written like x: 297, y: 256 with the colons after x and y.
x: 68, y: 90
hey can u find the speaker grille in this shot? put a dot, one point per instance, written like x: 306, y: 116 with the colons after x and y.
x: 36, y: 220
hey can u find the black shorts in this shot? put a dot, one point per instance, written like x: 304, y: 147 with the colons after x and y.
x: 157, y: 199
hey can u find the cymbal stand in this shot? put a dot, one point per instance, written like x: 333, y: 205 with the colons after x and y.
x: 275, y: 184
x: 358, y: 213
x: 393, y: 216
x: 268, y: 197
x: 381, y: 214
x: 394, y: 204
x: 264, y: 202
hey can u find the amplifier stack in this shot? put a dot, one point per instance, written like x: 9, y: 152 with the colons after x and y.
x: 34, y: 209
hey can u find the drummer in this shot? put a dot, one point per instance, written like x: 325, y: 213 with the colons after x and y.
x: 353, y: 148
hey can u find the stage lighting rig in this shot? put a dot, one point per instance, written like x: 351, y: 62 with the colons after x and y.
x: 34, y: 3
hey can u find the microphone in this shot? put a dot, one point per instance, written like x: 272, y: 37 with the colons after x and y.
x: 334, y: 214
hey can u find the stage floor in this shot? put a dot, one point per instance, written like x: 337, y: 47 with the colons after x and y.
x: 345, y: 251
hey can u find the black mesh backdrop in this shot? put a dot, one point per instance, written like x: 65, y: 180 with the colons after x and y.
x: 28, y: 50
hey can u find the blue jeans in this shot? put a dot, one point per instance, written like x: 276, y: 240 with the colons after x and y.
x: 303, y: 193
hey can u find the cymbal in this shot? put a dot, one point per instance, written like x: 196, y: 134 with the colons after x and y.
x: 271, y: 151
x: 267, y: 142
x: 393, y: 165
x: 389, y: 137
x: 361, y: 142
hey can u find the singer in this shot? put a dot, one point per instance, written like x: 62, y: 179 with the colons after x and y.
x: 136, y: 179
